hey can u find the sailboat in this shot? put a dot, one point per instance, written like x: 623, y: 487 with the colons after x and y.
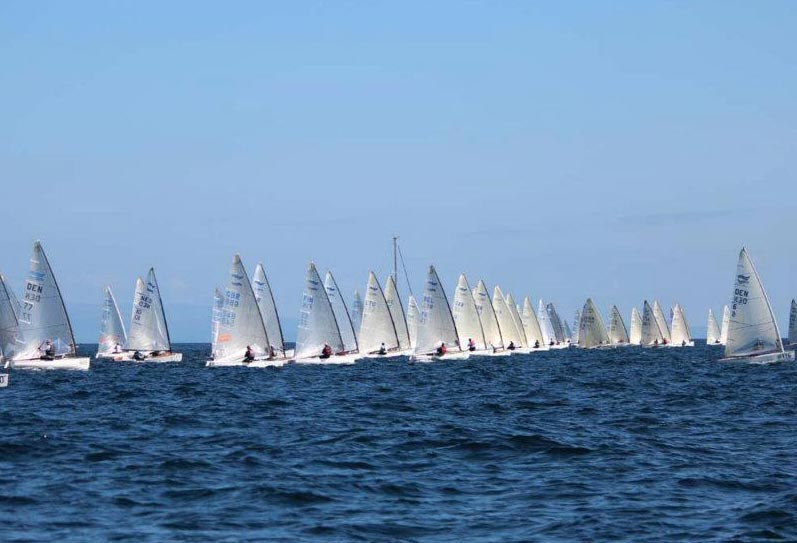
x: 753, y: 334
x: 8, y: 326
x: 591, y: 330
x: 393, y: 301
x: 268, y: 310
x: 726, y: 321
x: 532, y: 327
x: 318, y: 339
x: 618, y: 335
x: 44, y: 327
x: 523, y: 347
x: 577, y: 325
x: 651, y: 334
x: 437, y: 332
x: 658, y: 314
x: 241, y: 338
x: 513, y: 338
x: 357, y: 313
x: 413, y: 315
x: 635, y: 335
x: 681, y: 337
x: 793, y: 323
x: 341, y: 315
x: 493, y: 335
x: 551, y: 321
x: 148, y: 338
x: 378, y: 336
x: 568, y: 331
x: 712, y: 330
x: 112, y: 329
x: 466, y: 317
x: 546, y: 326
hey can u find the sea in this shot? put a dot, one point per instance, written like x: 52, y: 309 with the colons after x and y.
x: 615, y: 445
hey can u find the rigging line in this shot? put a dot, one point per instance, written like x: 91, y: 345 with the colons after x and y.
x: 404, y: 267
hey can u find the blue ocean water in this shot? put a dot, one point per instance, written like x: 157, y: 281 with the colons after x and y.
x: 622, y: 445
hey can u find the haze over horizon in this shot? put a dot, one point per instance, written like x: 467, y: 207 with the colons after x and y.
x: 562, y: 151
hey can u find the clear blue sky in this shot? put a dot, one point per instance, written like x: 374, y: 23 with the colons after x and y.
x: 616, y: 150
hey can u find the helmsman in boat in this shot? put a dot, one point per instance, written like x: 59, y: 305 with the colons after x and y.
x: 48, y: 350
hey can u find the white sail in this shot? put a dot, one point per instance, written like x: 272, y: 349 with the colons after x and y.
x: 8, y: 320
x: 576, y: 326
x: 532, y: 325
x: 112, y: 329
x: 493, y: 334
x: 268, y: 310
x: 413, y: 315
x: 635, y: 336
x: 513, y: 310
x: 556, y: 323
x: 397, y: 312
x: 148, y: 328
x: 568, y: 331
x: 436, y: 323
x: 651, y: 333
x: 317, y: 324
x: 680, y: 327
x: 545, y: 323
x: 712, y: 330
x: 377, y: 326
x: 341, y: 314
x: 661, y: 321
x: 241, y: 325
x: 726, y: 321
x: 357, y: 314
x: 591, y: 330
x: 215, y: 319
x: 43, y: 315
x: 466, y: 315
x: 793, y: 323
x: 752, y: 329
x: 618, y: 335
x: 509, y: 331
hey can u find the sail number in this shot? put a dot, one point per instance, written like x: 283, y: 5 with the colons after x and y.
x: 739, y: 298
x: 145, y: 302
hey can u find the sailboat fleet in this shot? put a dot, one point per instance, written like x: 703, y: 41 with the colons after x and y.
x: 35, y: 331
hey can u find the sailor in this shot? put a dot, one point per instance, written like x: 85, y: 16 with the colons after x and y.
x: 441, y: 350
x: 511, y: 346
x: 382, y: 349
x: 48, y: 353
x: 471, y: 344
x: 536, y: 343
x: 683, y: 343
x: 656, y: 341
x: 250, y: 354
x: 272, y: 352
x: 117, y: 349
x: 138, y: 356
x: 326, y: 352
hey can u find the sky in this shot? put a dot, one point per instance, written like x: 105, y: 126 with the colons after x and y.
x: 622, y: 151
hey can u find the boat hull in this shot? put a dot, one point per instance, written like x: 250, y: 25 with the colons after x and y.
x: 768, y: 358
x: 171, y: 357
x: 390, y: 354
x: 335, y: 359
x: 429, y: 357
x: 230, y: 363
x: 81, y: 363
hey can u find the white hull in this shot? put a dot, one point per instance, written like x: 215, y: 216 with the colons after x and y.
x: 560, y: 346
x: 57, y: 364
x: 462, y: 355
x: 769, y: 358
x: 334, y: 359
x: 231, y: 363
x: 489, y: 352
x: 109, y: 355
x: 390, y: 354
x: 128, y: 357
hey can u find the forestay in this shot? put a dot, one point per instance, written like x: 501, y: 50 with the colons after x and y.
x: 148, y: 328
x: 591, y: 329
x: 635, y: 336
x: 712, y: 329
x: 493, y: 335
x: 618, y: 335
x: 436, y: 323
x: 317, y: 324
x: 397, y: 312
x: 268, y: 309
x: 752, y: 329
x: 42, y: 314
x: 651, y: 333
x: 341, y: 314
x: 466, y: 315
x: 377, y: 325
x: 112, y: 329
x: 680, y: 327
